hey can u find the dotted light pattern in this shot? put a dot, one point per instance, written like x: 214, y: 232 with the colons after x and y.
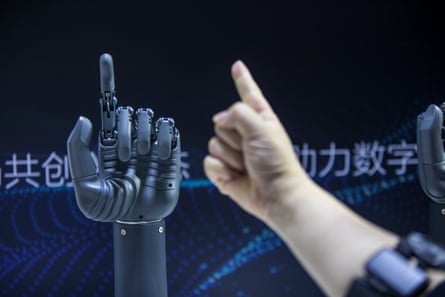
x: 48, y: 248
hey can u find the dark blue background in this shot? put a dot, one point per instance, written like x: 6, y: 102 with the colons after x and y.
x: 343, y: 71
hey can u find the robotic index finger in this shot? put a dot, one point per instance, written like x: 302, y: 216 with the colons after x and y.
x: 108, y: 101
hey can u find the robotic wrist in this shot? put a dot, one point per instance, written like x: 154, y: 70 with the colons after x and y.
x: 400, y: 272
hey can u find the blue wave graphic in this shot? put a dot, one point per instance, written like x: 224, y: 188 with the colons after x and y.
x: 48, y: 248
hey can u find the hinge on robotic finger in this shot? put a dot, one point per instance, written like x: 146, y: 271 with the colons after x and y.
x: 108, y: 100
x: 108, y: 109
x: 167, y: 125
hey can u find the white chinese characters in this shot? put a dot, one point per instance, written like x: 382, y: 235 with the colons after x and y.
x: 365, y: 158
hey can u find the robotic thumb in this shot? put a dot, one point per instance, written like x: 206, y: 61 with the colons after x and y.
x: 429, y: 136
x: 79, y: 155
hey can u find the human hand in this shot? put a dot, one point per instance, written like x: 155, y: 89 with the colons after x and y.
x: 251, y: 158
x: 139, y: 161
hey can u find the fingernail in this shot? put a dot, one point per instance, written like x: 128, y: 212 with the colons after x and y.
x: 219, y: 117
x: 238, y: 68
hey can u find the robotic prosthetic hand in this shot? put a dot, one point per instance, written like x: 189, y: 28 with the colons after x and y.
x: 431, y: 165
x: 136, y: 186
x: 139, y: 161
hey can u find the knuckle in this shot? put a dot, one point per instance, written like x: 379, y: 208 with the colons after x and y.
x: 238, y: 109
x: 212, y: 143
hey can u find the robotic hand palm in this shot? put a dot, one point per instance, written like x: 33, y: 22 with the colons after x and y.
x: 139, y: 161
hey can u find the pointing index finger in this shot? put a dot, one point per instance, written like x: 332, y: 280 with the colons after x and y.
x: 106, y: 73
x: 247, y: 88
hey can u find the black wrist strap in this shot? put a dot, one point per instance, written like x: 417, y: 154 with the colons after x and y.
x: 393, y: 273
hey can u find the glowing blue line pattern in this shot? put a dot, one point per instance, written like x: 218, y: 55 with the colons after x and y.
x: 263, y: 243
x: 51, y: 249
x: 357, y: 194
x: 48, y: 248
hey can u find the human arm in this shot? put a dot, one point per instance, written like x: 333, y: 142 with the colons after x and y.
x: 251, y: 159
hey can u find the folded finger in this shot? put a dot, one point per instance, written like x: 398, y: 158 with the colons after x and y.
x: 230, y: 136
x: 217, y: 171
x: 124, y: 128
x: 232, y: 158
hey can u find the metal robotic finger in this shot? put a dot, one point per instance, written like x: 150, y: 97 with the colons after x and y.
x: 165, y: 127
x: 108, y: 100
x: 431, y: 167
x: 144, y: 118
x: 430, y: 150
x: 124, y: 120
